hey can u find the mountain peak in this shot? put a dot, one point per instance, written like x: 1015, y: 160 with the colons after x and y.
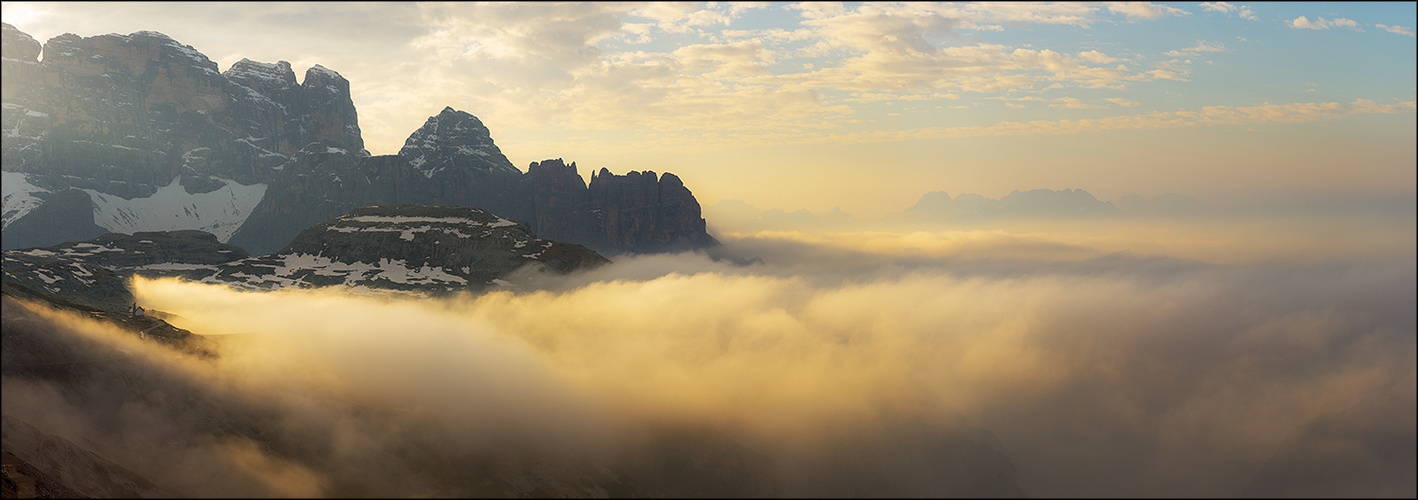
x: 248, y: 72
x: 19, y: 45
x: 151, y: 33
x: 457, y: 140
x: 319, y: 70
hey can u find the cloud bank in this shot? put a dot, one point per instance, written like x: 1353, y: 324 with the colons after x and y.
x: 1119, y: 375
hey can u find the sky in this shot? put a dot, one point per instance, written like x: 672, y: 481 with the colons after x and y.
x: 863, y: 107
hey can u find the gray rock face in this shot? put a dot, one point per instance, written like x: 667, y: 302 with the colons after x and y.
x: 408, y: 247
x: 17, y: 44
x: 455, y: 140
x: 419, y: 248
x: 460, y: 164
x: 635, y: 212
x: 122, y: 116
x: 320, y: 183
x: 95, y: 272
x: 642, y: 214
x: 64, y: 216
x: 451, y: 161
x: 614, y: 214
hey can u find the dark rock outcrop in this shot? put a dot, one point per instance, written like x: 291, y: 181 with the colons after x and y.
x: 320, y: 183
x: 96, y: 272
x: 455, y: 140
x: 460, y: 165
x: 67, y: 215
x: 408, y: 247
x: 556, y: 201
x: 636, y: 212
x: 642, y: 214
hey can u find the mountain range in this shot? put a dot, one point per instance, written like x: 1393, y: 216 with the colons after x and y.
x: 139, y: 132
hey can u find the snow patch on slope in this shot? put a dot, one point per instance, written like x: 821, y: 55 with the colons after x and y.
x: 286, y: 273
x: 19, y: 196
x: 171, y: 208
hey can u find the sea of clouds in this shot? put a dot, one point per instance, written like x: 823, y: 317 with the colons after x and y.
x: 1114, y: 375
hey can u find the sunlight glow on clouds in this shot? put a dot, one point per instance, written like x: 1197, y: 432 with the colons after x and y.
x: 605, y: 81
x: 1144, y: 10
x: 1206, y: 116
x: 1166, y: 376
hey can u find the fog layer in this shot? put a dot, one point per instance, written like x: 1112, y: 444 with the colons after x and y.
x: 1112, y: 376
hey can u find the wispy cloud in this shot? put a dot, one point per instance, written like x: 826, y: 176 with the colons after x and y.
x: 1204, y: 117
x: 545, y: 66
x: 1072, y: 103
x: 1321, y: 23
x: 1243, y: 11
x: 1144, y: 10
x: 1201, y: 46
x: 1401, y: 30
x: 1222, y: 7
x: 1096, y: 57
x: 1207, y: 116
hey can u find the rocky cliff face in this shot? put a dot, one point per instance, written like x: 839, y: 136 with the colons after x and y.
x: 124, y: 115
x: 460, y: 164
x: 635, y: 212
x: 640, y: 213
x: 292, y: 115
x: 320, y: 183
x: 452, y: 161
x: 455, y: 140
x: 19, y: 55
x: 155, y: 138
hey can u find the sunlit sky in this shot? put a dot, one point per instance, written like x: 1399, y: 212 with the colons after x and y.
x: 862, y: 106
